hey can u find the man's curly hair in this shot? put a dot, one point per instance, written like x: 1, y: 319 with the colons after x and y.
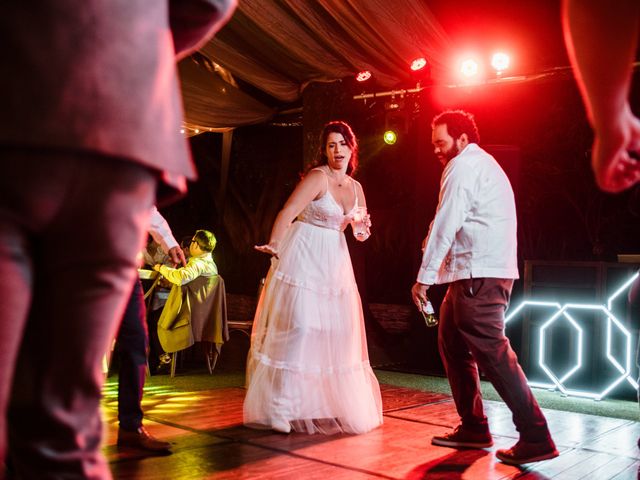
x: 458, y: 122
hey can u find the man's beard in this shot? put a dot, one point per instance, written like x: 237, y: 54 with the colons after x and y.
x: 449, y: 154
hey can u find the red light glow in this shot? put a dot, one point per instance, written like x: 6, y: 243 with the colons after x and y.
x: 469, y: 68
x: 500, y: 61
x: 363, y: 76
x: 418, y: 64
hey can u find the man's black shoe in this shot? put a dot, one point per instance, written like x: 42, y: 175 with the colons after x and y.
x: 142, y: 440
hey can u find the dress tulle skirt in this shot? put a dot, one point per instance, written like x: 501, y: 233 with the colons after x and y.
x: 308, y: 364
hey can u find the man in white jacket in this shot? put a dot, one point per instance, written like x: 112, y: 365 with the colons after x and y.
x: 472, y: 246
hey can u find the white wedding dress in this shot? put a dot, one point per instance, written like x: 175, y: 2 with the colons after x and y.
x: 308, y: 366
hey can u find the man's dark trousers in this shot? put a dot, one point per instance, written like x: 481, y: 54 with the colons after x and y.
x: 471, y: 336
x: 131, y: 346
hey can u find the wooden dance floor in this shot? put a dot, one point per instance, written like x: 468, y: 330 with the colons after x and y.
x: 209, y: 441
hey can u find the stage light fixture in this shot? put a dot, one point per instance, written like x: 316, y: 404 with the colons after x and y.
x: 363, y: 76
x: 396, y: 120
x: 500, y: 62
x: 418, y: 64
x: 390, y: 137
x: 469, y: 68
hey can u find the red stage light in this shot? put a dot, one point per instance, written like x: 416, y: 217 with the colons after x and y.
x: 418, y: 64
x: 469, y: 68
x: 500, y: 62
x: 363, y: 76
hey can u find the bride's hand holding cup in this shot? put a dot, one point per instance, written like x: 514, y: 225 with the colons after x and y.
x: 360, y: 224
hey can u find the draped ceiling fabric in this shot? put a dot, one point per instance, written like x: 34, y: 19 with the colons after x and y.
x: 280, y: 46
x: 213, y: 103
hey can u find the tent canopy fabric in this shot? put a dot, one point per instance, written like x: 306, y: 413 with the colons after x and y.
x: 280, y: 46
x: 273, y: 49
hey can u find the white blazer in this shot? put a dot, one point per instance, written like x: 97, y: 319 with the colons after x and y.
x: 473, y: 234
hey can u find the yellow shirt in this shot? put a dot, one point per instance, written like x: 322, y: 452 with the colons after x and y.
x: 201, y: 265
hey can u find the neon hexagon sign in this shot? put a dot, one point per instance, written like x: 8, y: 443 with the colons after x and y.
x: 558, y: 382
x: 612, y: 322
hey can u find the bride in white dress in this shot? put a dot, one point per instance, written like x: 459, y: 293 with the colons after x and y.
x: 308, y: 367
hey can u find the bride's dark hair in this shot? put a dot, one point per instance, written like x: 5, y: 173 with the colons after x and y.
x: 345, y: 130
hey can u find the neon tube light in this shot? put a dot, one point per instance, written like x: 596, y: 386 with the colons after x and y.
x: 612, y: 321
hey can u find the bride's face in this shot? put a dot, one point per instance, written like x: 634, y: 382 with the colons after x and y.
x: 338, y: 152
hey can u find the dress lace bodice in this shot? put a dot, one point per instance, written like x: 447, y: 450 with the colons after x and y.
x: 326, y: 212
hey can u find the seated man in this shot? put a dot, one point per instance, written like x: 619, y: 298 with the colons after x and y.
x: 200, y: 261
x: 195, y: 309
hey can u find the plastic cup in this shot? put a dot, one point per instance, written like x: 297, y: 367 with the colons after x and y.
x: 359, y: 224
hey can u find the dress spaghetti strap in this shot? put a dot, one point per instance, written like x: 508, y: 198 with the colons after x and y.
x: 326, y: 177
x: 355, y: 192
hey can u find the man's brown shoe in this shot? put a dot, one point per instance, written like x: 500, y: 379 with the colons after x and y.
x: 526, y: 452
x: 142, y: 440
x: 461, y: 438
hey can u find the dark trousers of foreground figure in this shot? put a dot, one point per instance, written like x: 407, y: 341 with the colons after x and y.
x: 471, y: 336
x: 71, y: 225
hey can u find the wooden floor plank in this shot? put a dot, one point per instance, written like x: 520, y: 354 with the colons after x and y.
x: 400, y: 398
x: 573, y: 429
x: 621, y: 441
x: 563, y: 465
x: 231, y: 461
x: 632, y: 472
x: 442, y: 414
x: 209, y: 441
x: 606, y: 470
x: 399, y: 449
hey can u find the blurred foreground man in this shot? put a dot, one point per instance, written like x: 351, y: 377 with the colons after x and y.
x: 90, y: 126
x: 602, y: 43
x: 472, y: 246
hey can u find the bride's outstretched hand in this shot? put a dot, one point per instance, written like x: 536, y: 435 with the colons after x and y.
x: 268, y: 248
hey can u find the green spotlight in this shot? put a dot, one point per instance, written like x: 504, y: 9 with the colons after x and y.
x: 390, y: 137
